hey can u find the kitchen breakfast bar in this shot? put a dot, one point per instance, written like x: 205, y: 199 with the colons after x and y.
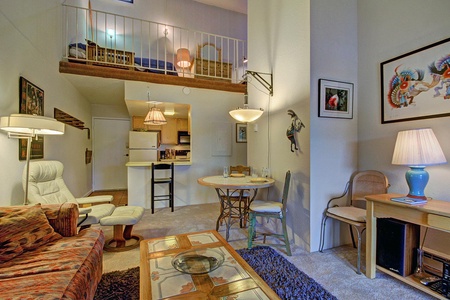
x: 139, y: 182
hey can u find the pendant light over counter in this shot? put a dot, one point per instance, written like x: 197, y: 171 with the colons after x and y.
x: 154, y: 115
x: 247, y: 114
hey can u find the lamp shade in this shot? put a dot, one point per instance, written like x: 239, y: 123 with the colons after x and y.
x: 246, y: 114
x: 417, y: 147
x: 183, y: 58
x: 155, y: 117
x: 31, y: 125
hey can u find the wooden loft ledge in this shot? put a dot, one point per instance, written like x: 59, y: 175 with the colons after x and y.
x: 101, y: 71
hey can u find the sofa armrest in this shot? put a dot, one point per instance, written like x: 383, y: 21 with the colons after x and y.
x: 62, y: 217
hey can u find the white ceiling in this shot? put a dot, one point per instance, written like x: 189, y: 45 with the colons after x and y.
x: 239, y: 6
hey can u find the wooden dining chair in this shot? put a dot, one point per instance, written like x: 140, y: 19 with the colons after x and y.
x: 271, y: 209
x: 240, y: 200
x: 240, y: 169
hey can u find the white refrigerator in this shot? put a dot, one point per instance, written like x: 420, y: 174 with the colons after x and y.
x: 143, y: 146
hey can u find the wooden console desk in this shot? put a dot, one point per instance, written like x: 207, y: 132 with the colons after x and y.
x: 434, y: 214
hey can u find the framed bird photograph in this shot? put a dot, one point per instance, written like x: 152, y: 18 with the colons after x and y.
x: 335, y: 99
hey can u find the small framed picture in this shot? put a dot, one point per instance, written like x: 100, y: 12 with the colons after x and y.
x: 31, y: 101
x: 241, y: 133
x: 335, y: 99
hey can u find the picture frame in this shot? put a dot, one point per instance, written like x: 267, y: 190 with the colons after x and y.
x: 241, y: 133
x: 413, y: 85
x: 31, y: 101
x: 335, y: 99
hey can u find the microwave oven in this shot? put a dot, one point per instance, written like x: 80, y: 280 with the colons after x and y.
x: 184, y: 138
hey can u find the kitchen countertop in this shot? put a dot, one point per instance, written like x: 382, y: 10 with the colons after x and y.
x: 176, y: 162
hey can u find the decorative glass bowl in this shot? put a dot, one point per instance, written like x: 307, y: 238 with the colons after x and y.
x: 199, y: 261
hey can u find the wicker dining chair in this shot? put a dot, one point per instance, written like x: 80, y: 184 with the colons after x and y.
x: 353, y: 212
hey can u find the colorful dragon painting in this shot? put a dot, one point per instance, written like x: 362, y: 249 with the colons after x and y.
x: 407, y: 84
x: 441, y: 69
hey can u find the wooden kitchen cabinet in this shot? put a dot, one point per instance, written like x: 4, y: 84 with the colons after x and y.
x: 138, y: 124
x: 169, y: 132
x: 182, y: 125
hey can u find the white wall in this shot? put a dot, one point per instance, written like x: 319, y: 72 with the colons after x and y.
x: 209, y: 108
x: 30, y: 40
x: 388, y: 29
x: 382, y: 36
x: 183, y: 13
x: 334, y: 56
x: 280, y: 43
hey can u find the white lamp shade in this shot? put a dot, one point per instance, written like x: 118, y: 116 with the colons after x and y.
x: 31, y: 125
x: 417, y: 147
x: 246, y: 114
x: 155, y: 117
x: 183, y: 58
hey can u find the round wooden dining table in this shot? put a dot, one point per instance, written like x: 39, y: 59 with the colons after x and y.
x: 233, y: 187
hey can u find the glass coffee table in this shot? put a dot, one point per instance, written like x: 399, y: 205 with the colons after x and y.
x: 160, y: 280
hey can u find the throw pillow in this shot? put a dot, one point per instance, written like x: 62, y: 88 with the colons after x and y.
x: 23, y: 228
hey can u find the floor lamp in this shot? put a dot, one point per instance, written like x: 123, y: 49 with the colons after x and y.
x: 23, y: 126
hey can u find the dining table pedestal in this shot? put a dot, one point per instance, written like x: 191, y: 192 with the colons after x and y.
x: 230, y: 188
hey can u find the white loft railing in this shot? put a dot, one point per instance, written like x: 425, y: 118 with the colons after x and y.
x: 100, y: 38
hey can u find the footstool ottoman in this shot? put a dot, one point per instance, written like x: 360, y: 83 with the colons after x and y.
x: 123, y: 216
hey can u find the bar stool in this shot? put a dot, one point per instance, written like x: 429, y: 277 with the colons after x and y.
x: 162, y: 168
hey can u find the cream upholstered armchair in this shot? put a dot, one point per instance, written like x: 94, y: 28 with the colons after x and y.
x: 353, y: 211
x: 46, y: 185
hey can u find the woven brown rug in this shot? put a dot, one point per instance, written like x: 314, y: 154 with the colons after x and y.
x: 119, y: 285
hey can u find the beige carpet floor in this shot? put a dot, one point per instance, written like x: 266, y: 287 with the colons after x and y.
x: 334, y: 269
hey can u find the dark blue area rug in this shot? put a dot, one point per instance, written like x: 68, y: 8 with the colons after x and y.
x: 282, y: 276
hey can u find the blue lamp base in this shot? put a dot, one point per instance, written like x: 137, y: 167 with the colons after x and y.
x: 417, y: 179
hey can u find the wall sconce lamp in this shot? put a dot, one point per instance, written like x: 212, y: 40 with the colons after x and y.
x: 247, y: 114
x: 154, y: 115
x: 260, y: 79
x: 417, y: 148
x: 23, y: 126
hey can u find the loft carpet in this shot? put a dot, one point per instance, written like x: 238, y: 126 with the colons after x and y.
x: 281, y: 275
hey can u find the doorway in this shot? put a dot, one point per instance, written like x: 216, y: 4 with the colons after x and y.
x: 110, y: 154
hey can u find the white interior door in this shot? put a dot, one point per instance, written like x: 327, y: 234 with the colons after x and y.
x: 109, y: 143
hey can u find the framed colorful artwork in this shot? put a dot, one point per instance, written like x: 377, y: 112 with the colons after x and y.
x: 31, y: 101
x: 335, y: 99
x: 416, y: 85
x: 241, y: 133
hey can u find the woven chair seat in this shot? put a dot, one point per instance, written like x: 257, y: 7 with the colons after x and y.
x: 349, y: 212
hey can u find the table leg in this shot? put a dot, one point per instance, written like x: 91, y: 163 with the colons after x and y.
x: 228, y: 224
x: 222, y: 208
x: 371, y: 240
x: 225, y: 203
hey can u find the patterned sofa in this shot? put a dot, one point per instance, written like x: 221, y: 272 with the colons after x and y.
x: 42, y: 254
